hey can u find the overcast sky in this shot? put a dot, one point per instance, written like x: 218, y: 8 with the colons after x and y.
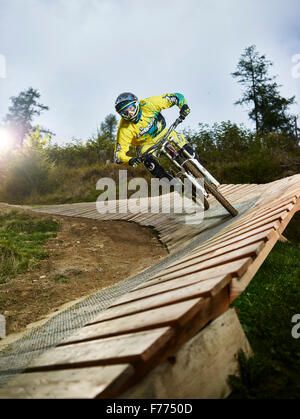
x: 80, y: 54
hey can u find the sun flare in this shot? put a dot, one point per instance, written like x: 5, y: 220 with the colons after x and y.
x: 6, y: 139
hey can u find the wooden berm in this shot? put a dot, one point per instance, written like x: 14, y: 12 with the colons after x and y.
x: 175, y: 335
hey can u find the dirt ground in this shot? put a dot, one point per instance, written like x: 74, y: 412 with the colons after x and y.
x: 85, y: 257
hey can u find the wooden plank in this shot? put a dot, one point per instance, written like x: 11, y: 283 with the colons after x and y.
x: 188, y: 268
x: 241, y: 193
x: 238, y: 285
x: 254, y: 235
x: 278, y: 192
x: 227, y: 193
x: 226, y: 187
x: 280, y: 204
x: 212, y: 308
x: 269, y: 212
x: 218, y: 250
x: 286, y: 195
x: 181, y: 234
x: 263, y: 213
x: 256, y: 219
x: 172, y: 315
x: 220, y: 237
x: 128, y: 348
x: 180, y: 242
x: 164, y: 294
x: 236, y: 268
x: 237, y: 231
x: 294, y: 190
x: 226, y: 234
x: 288, y: 217
x: 86, y: 383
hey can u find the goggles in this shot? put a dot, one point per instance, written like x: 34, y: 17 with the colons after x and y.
x: 129, y: 111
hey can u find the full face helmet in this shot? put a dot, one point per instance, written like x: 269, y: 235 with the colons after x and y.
x: 128, y: 106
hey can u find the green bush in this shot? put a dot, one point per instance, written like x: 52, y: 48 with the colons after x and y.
x: 234, y: 154
x: 73, y: 155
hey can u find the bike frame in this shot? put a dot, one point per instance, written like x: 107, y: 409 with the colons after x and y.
x: 166, y: 146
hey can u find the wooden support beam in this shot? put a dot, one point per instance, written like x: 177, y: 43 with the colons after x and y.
x: 85, y: 383
x: 200, y: 368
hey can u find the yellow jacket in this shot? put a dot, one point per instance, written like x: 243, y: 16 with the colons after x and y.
x: 150, y: 125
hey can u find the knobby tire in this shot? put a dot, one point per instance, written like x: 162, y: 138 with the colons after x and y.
x: 211, y: 188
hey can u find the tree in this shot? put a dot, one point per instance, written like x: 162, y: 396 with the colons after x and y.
x: 109, y: 127
x: 21, y: 113
x: 36, y: 141
x: 269, y: 109
x: 105, y: 137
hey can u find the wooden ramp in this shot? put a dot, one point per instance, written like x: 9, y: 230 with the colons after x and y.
x: 149, y: 325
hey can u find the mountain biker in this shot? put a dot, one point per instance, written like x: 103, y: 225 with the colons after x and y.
x: 143, y: 125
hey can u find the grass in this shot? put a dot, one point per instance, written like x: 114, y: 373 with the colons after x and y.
x: 22, y: 240
x: 265, y: 310
x: 61, y: 278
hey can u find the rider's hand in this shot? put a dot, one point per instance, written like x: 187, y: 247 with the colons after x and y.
x: 134, y: 162
x: 184, y: 111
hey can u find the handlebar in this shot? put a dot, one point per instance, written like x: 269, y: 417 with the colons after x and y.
x: 155, y: 146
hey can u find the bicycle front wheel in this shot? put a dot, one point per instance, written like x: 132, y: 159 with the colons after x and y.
x: 210, y: 188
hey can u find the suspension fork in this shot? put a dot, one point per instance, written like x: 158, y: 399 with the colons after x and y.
x: 165, y: 149
x: 201, y: 168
